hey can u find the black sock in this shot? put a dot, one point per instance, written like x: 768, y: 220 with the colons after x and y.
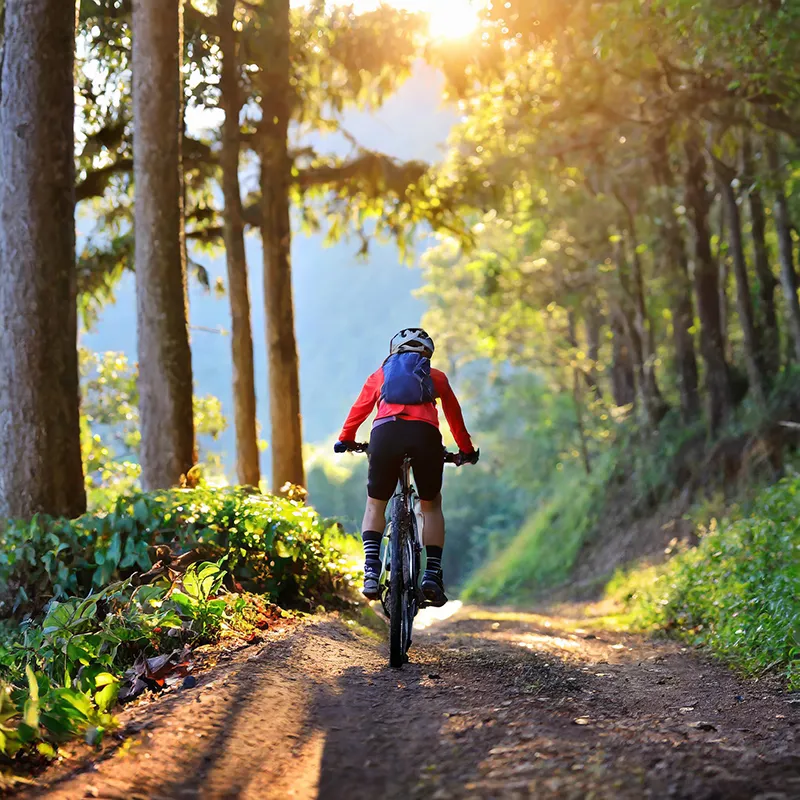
x: 372, y: 549
x: 434, y: 554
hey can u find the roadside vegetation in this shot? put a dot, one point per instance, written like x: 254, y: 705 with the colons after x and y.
x: 736, y: 593
x: 101, y: 608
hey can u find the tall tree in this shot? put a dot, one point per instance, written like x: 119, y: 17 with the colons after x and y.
x: 276, y: 234
x: 785, y: 246
x: 706, y: 285
x: 40, y: 457
x: 244, y: 391
x: 165, y: 362
x: 744, y: 301
x: 679, y: 284
x: 767, y: 317
x: 640, y: 332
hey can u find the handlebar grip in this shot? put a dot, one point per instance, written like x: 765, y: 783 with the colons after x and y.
x: 459, y: 459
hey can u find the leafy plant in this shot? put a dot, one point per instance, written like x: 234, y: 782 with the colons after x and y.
x: 198, y: 601
x: 43, y: 714
x: 272, y: 545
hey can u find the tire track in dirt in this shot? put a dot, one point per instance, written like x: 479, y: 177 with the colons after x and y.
x: 493, y: 705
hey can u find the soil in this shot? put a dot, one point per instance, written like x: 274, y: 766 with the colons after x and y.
x: 493, y: 705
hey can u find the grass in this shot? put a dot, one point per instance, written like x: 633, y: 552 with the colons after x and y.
x: 736, y: 593
x: 542, y: 554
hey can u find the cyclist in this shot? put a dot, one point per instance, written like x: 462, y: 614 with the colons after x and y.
x: 405, y: 389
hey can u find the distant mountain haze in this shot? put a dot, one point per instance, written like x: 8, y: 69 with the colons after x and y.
x: 346, y: 309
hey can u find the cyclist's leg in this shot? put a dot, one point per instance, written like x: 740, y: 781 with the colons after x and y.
x: 428, y: 466
x: 374, y: 515
x: 427, y: 461
x: 433, y: 516
x: 384, y: 465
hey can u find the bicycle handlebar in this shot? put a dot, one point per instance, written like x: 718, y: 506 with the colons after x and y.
x: 449, y: 457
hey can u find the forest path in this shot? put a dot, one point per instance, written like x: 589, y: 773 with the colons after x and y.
x: 493, y: 705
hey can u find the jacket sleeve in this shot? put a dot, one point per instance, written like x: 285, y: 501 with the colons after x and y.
x: 452, y: 411
x: 362, y: 408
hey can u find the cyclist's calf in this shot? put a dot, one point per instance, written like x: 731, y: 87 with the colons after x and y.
x: 374, y: 515
x: 433, y: 526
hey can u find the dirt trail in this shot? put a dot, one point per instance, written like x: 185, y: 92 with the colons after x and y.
x: 493, y: 706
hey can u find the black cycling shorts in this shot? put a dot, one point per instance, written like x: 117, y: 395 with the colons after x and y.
x: 390, y: 442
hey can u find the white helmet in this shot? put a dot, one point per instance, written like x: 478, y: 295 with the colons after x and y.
x: 411, y: 340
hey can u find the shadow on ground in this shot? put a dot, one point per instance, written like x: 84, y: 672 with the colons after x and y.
x: 492, y: 705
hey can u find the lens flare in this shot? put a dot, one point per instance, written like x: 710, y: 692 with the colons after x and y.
x: 447, y: 19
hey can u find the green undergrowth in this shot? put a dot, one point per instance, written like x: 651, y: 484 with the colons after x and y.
x: 737, y: 592
x: 542, y: 554
x: 82, y: 604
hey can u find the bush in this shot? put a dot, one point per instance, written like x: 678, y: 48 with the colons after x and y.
x: 86, y: 617
x: 737, y: 592
x: 275, y: 546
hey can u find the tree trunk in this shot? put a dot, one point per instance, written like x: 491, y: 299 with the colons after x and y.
x: 724, y: 274
x: 40, y: 454
x: 679, y: 288
x: 784, y: 231
x: 706, y: 286
x: 165, y: 361
x: 577, y: 396
x: 623, y: 382
x: 276, y: 167
x: 744, y: 302
x: 641, y: 332
x: 767, y: 319
x: 244, y: 389
x: 593, y: 321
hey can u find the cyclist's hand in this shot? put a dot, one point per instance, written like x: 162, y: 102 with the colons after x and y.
x: 343, y: 447
x: 469, y: 458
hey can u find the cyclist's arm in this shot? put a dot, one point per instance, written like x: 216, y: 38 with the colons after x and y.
x: 452, y: 411
x: 362, y: 408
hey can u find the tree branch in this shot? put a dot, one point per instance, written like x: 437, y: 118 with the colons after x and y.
x: 96, y: 181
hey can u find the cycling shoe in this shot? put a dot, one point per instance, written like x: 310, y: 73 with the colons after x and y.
x: 433, y: 589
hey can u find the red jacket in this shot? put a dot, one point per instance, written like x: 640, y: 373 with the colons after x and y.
x: 425, y: 412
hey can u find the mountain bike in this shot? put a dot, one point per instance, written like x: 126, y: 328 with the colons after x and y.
x: 402, y: 568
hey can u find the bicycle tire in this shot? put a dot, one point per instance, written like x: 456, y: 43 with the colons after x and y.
x: 397, y: 589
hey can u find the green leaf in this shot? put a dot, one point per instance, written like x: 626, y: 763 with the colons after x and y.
x: 185, y: 603
x: 81, y: 702
x: 27, y: 733
x: 33, y: 684
x: 191, y: 583
x: 141, y: 513
x: 107, y: 696
x: 30, y: 713
x: 45, y: 749
x: 104, y: 679
x: 282, y: 550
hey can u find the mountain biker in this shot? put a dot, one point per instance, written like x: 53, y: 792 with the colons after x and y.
x: 406, y: 388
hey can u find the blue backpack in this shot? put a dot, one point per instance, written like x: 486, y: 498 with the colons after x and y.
x: 407, y: 380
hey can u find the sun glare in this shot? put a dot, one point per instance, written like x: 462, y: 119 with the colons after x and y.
x: 447, y: 19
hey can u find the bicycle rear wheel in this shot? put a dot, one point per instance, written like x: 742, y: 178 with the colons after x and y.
x: 398, y: 618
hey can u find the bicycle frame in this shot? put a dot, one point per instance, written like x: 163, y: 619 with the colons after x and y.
x: 406, y: 491
x: 400, y: 593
